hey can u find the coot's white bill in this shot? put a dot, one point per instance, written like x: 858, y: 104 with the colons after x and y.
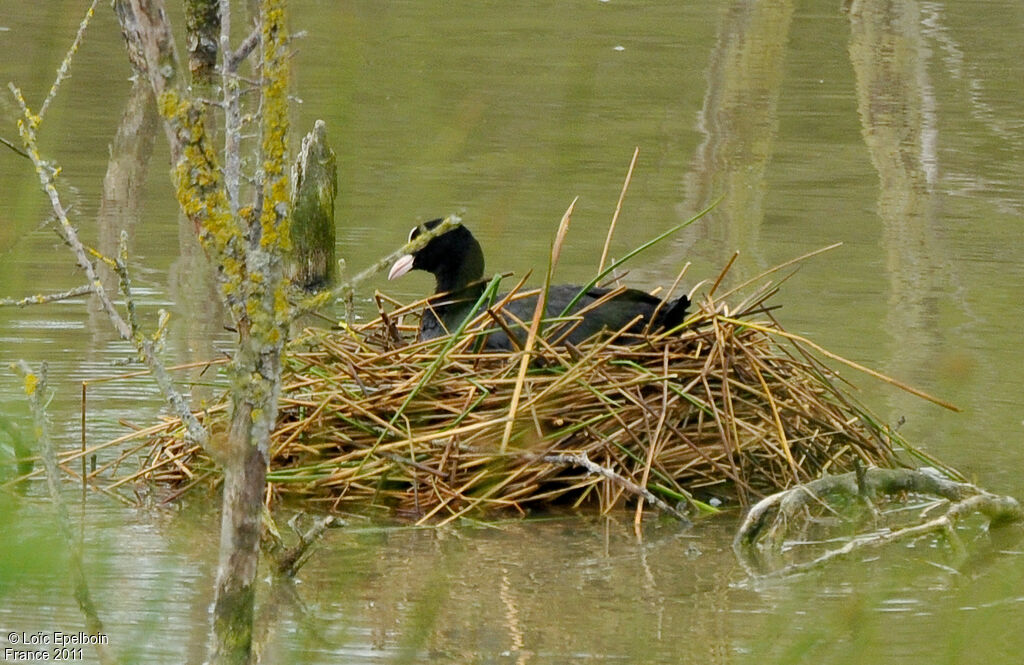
x: 402, y: 266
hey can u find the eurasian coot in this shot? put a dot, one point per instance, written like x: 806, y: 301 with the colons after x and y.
x: 456, y: 261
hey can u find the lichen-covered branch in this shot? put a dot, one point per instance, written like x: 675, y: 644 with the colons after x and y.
x: 250, y: 248
x: 345, y: 289
x: 196, y: 170
x: 65, y: 65
x: 27, y: 126
x: 247, y: 244
x: 269, y: 246
x: 42, y: 298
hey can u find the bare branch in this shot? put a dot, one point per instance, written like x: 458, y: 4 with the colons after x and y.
x: 345, y: 289
x: 14, y: 147
x: 243, y: 51
x: 232, y: 110
x: 48, y: 297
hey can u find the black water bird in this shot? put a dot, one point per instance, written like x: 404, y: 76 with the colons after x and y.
x: 456, y: 261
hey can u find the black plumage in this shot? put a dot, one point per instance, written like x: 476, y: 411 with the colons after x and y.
x: 456, y: 260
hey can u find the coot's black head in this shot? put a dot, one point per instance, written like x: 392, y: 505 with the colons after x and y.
x: 454, y: 258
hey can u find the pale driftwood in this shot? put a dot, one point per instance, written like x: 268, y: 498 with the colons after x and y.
x: 761, y: 536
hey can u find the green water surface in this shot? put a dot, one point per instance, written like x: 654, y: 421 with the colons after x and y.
x: 893, y: 127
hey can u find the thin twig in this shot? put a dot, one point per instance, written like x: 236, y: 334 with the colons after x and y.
x: 345, y: 289
x: 65, y: 65
x: 46, y: 297
x: 14, y: 148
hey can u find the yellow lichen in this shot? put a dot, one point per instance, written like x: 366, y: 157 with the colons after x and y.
x: 274, y: 233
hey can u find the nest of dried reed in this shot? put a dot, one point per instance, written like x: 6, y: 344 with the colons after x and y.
x: 730, y: 405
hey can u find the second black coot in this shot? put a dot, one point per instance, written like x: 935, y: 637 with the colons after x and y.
x: 456, y: 261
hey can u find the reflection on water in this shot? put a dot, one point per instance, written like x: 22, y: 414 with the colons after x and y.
x: 897, y: 108
x: 564, y: 590
x: 740, y: 124
x: 892, y: 126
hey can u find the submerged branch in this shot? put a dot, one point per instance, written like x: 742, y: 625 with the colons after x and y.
x: 765, y: 528
x: 288, y: 563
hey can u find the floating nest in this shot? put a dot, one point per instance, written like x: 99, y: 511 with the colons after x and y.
x: 728, y: 406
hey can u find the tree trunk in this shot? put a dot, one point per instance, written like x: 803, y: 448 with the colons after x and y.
x: 241, y: 512
x: 250, y: 250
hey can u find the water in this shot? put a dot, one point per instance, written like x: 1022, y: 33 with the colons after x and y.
x: 895, y: 128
